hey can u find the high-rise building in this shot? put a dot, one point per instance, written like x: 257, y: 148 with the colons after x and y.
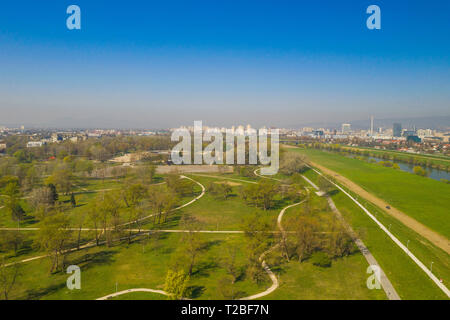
x: 371, y: 125
x: 346, y: 128
x: 397, y: 130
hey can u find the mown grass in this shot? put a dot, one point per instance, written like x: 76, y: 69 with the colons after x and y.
x: 142, y: 264
x: 424, y: 199
x: 344, y: 280
x: 407, y: 278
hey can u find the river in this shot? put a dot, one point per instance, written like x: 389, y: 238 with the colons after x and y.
x: 432, y: 173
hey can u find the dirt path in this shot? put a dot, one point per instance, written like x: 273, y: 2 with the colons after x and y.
x: 432, y: 236
x: 266, y: 267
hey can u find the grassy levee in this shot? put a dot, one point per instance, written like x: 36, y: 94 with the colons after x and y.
x: 407, y: 278
x: 424, y: 199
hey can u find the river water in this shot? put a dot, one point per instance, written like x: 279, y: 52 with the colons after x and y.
x: 432, y: 173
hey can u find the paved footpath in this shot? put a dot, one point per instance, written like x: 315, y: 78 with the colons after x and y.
x: 431, y: 235
x: 419, y: 263
x: 384, y: 281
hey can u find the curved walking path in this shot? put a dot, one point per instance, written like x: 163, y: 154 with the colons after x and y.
x: 112, y: 295
x: 177, y: 208
x: 383, y: 279
x: 432, y: 236
x: 273, y: 277
x: 93, y: 243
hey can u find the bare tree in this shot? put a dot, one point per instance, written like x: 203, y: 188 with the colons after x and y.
x: 8, y: 277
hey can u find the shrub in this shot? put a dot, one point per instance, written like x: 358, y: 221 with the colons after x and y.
x: 321, y: 259
x: 419, y: 171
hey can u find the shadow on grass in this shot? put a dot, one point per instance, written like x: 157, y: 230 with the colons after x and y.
x: 94, y: 259
x: 195, y: 291
x: 212, y: 243
x: 204, y: 268
x: 37, y: 294
x: 26, y: 248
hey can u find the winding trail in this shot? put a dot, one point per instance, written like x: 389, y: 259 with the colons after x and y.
x: 112, y: 295
x: 273, y: 277
x: 177, y: 208
x: 383, y: 279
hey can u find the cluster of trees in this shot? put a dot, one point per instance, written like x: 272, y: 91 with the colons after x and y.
x: 389, y: 164
x: 309, y: 238
x: 185, y: 260
x: 292, y: 163
x: 220, y: 190
x: 11, y: 193
x: 100, y: 149
x: 261, y: 194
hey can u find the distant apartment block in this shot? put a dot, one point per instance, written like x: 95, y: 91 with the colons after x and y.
x: 346, y: 128
x: 397, y: 130
x: 34, y: 144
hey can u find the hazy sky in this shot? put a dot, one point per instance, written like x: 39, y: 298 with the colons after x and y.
x: 160, y: 64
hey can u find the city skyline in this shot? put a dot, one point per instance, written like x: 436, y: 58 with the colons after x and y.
x: 277, y: 65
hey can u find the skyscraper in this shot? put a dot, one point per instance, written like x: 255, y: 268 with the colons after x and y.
x: 397, y: 130
x: 371, y: 125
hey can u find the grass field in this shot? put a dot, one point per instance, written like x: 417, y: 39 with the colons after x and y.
x: 424, y: 199
x: 407, y: 278
x: 144, y: 262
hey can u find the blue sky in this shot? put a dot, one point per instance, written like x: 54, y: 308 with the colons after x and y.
x: 166, y: 63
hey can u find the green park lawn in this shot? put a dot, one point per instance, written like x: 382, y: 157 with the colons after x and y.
x: 407, y: 278
x: 144, y: 262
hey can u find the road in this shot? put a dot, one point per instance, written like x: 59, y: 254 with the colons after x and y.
x: 393, y: 238
x: 432, y: 236
x: 383, y: 279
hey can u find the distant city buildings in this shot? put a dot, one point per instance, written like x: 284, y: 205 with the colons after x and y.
x: 34, y: 144
x: 346, y: 128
